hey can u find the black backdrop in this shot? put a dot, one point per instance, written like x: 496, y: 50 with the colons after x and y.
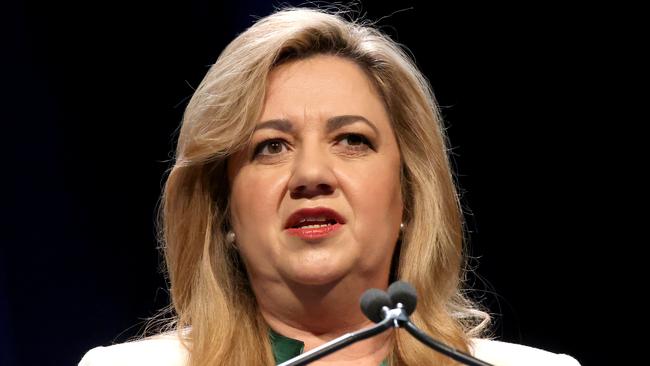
x: 94, y: 92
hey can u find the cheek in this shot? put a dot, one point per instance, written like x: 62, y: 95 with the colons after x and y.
x: 375, y: 197
x: 254, y: 200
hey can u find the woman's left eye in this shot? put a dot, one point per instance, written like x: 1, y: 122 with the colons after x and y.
x: 355, y: 141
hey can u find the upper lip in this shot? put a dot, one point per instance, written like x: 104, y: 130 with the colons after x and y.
x: 295, y: 217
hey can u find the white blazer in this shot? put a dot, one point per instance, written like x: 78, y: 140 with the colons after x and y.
x: 166, y: 350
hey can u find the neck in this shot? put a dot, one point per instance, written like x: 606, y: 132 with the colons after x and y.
x: 318, y: 314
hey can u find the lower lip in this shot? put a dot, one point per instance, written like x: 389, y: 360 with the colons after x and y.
x: 314, y: 233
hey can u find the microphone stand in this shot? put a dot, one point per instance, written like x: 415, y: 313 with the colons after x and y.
x: 393, y: 318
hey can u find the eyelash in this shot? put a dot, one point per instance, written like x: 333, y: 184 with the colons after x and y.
x: 341, y: 137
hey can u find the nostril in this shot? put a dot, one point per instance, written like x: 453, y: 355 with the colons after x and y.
x: 325, y: 187
x: 299, y: 189
x: 306, y: 191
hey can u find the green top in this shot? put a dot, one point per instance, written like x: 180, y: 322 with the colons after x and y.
x: 285, y: 348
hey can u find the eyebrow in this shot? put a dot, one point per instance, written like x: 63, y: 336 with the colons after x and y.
x: 333, y: 123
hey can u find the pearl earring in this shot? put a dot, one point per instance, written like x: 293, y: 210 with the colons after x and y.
x: 401, y: 226
x: 230, y: 239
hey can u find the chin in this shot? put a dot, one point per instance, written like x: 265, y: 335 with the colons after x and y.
x: 315, y: 274
x: 316, y: 279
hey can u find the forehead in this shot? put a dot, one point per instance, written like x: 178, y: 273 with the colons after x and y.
x: 320, y: 87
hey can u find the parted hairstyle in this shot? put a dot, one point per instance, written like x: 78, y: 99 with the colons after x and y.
x: 215, y: 311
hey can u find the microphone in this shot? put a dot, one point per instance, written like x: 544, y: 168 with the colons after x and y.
x: 401, y: 292
x: 373, y: 302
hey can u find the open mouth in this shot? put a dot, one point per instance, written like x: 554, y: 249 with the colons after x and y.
x: 313, y: 218
x: 314, y: 223
x: 309, y: 223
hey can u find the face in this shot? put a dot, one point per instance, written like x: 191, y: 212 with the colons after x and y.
x: 324, y: 140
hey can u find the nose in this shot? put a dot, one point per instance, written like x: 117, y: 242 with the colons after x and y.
x: 312, y: 174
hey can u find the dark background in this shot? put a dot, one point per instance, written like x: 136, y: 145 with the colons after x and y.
x: 93, y: 94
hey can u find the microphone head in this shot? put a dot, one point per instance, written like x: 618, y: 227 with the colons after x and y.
x: 372, y: 301
x: 403, y: 292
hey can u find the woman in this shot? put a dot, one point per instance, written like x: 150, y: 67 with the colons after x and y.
x: 311, y: 165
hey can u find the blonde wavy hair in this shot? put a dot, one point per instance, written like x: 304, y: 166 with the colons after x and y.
x: 216, y: 314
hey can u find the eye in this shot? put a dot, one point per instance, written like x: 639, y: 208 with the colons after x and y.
x: 355, y: 141
x: 270, y: 147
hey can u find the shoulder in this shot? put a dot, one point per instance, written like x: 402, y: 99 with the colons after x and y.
x: 160, y: 350
x: 506, y: 354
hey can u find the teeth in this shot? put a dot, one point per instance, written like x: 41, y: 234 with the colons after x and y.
x: 314, y: 226
x: 312, y: 219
